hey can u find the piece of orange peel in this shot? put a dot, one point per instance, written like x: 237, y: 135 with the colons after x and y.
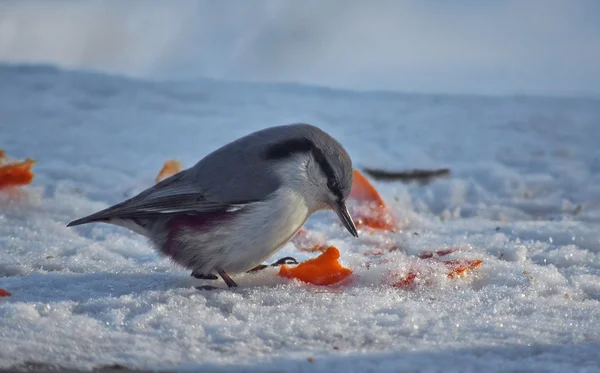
x: 322, y: 270
x: 456, y: 268
x: 363, y: 190
x: 170, y: 168
x: 15, y: 173
x: 372, y: 211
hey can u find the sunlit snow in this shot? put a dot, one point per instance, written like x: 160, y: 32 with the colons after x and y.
x: 523, y: 196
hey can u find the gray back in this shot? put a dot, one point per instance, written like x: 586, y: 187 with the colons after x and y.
x: 240, y: 171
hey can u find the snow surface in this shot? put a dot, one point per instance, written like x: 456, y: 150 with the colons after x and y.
x: 524, y: 196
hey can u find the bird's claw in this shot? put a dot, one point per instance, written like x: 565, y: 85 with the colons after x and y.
x: 286, y: 260
x: 202, y: 276
x: 282, y: 261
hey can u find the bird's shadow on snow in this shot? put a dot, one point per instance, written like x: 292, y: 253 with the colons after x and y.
x: 58, y: 287
x: 54, y: 287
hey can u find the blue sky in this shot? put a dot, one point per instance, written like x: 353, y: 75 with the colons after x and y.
x: 497, y: 47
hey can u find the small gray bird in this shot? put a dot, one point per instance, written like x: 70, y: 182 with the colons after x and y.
x: 241, y: 203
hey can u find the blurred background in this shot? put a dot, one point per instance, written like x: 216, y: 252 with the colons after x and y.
x: 549, y: 47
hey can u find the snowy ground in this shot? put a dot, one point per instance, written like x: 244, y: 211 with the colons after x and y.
x: 524, y: 196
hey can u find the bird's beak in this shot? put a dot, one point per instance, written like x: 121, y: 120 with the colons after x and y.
x: 342, y: 212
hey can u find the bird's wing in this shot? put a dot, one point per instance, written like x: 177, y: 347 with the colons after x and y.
x: 225, y: 180
x: 172, y: 195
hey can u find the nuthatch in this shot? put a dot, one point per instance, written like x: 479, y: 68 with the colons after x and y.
x: 241, y: 203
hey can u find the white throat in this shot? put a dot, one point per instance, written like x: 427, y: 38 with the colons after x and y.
x: 300, y: 175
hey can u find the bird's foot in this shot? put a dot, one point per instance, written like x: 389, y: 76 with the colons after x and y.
x: 202, y: 276
x: 230, y: 283
x: 282, y: 261
x: 286, y: 260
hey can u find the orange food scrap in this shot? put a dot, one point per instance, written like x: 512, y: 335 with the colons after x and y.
x: 362, y: 190
x: 170, y: 168
x: 460, y: 267
x: 4, y: 293
x: 408, y: 281
x: 373, y: 212
x: 457, y: 268
x: 15, y: 173
x: 379, y: 222
x: 322, y: 270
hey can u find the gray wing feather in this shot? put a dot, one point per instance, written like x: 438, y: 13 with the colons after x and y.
x: 226, y: 179
x: 173, y: 195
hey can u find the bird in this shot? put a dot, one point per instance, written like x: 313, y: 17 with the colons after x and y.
x: 241, y: 203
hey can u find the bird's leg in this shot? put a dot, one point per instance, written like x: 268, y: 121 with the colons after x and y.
x: 230, y: 283
x: 259, y: 267
x: 228, y: 280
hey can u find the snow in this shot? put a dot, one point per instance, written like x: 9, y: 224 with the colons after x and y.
x: 523, y: 196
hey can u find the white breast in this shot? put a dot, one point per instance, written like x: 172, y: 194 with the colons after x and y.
x: 263, y: 230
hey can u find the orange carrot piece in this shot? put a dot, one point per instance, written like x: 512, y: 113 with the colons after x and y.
x: 459, y: 268
x: 15, y: 173
x: 322, y: 270
x: 407, y: 282
x: 373, y: 212
x: 363, y: 190
x: 379, y: 222
x: 170, y: 168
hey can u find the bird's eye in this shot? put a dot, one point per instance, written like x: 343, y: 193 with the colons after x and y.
x: 332, y: 184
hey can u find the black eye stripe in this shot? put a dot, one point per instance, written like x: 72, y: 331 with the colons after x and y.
x: 287, y: 148
x: 325, y: 166
x: 338, y: 194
